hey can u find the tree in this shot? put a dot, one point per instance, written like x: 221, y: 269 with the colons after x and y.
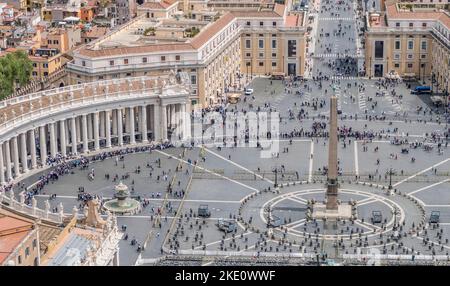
x: 15, y: 71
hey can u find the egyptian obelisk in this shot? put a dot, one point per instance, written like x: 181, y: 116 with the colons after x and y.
x: 332, y: 180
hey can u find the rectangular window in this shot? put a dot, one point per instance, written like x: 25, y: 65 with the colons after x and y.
x: 396, y: 56
x: 410, y: 66
x: 261, y: 55
x: 261, y: 44
x: 274, y: 55
x: 424, y: 45
x: 111, y: 63
x: 261, y: 64
x: 193, y: 79
x: 83, y: 63
x: 397, y: 65
x: 248, y: 55
x: 27, y: 252
x: 274, y: 64
x: 163, y: 58
x: 411, y: 25
x: 177, y: 57
x: 397, y: 45
x: 379, y: 49
x: 144, y: 60
x: 248, y: 44
x: 292, y: 48
x: 410, y: 56
x: 125, y: 61
x: 424, y: 25
x: 274, y: 44
x: 247, y: 64
x: 248, y: 23
x: 274, y: 24
x: 261, y: 24
x: 397, y: 24
x: 410, y: 45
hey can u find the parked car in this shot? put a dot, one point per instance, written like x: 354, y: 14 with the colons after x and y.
x: 226, y: 225
x: 203, y: 211
x: 376, y: 217
x: 434, y: 216
x: 421, y: 89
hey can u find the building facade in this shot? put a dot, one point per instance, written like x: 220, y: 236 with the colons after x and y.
x: 214, y: 57
x: 413, y: 40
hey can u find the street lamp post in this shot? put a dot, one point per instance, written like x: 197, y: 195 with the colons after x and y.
x: 276, y: 177
x: 390, y: 173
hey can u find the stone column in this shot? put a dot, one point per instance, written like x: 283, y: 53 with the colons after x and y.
x: 96, y: 134
x: 15, y: 148
x: 184, y: 120
x: 53, y: 143
x: 85, y: 133
x: 23, y: 152
x: 163, y: 125
x: 78, y: 129
x: 74, y: 135
x: 43, y: 144
x: 143, y: 123
x: 108, y: 128
x: 67, y: 129
x: 131, y: 126
x: 156, y: 122
x: 127, y: 120
x: 114, y: 122
x: 102, y: 124
x: 90, y: 130
x: 33, y: 149
x: 119, y: 127
x: 2, y: 169
x: 8, y: 161
x: 62, y: 137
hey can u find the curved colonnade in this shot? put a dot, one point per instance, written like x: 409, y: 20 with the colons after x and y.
x: 75, y: 120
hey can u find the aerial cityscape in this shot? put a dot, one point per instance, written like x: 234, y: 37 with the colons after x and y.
x: 224, y: 132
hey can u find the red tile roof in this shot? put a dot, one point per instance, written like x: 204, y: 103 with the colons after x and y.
x: 157, y: 5
x: 292, y: 21
x: 211, y: 29
x: 393, y: 12
x: 12, y: 232
x: 279, y: 9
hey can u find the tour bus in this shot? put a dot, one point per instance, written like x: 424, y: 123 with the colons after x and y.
x: 421, y: 89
